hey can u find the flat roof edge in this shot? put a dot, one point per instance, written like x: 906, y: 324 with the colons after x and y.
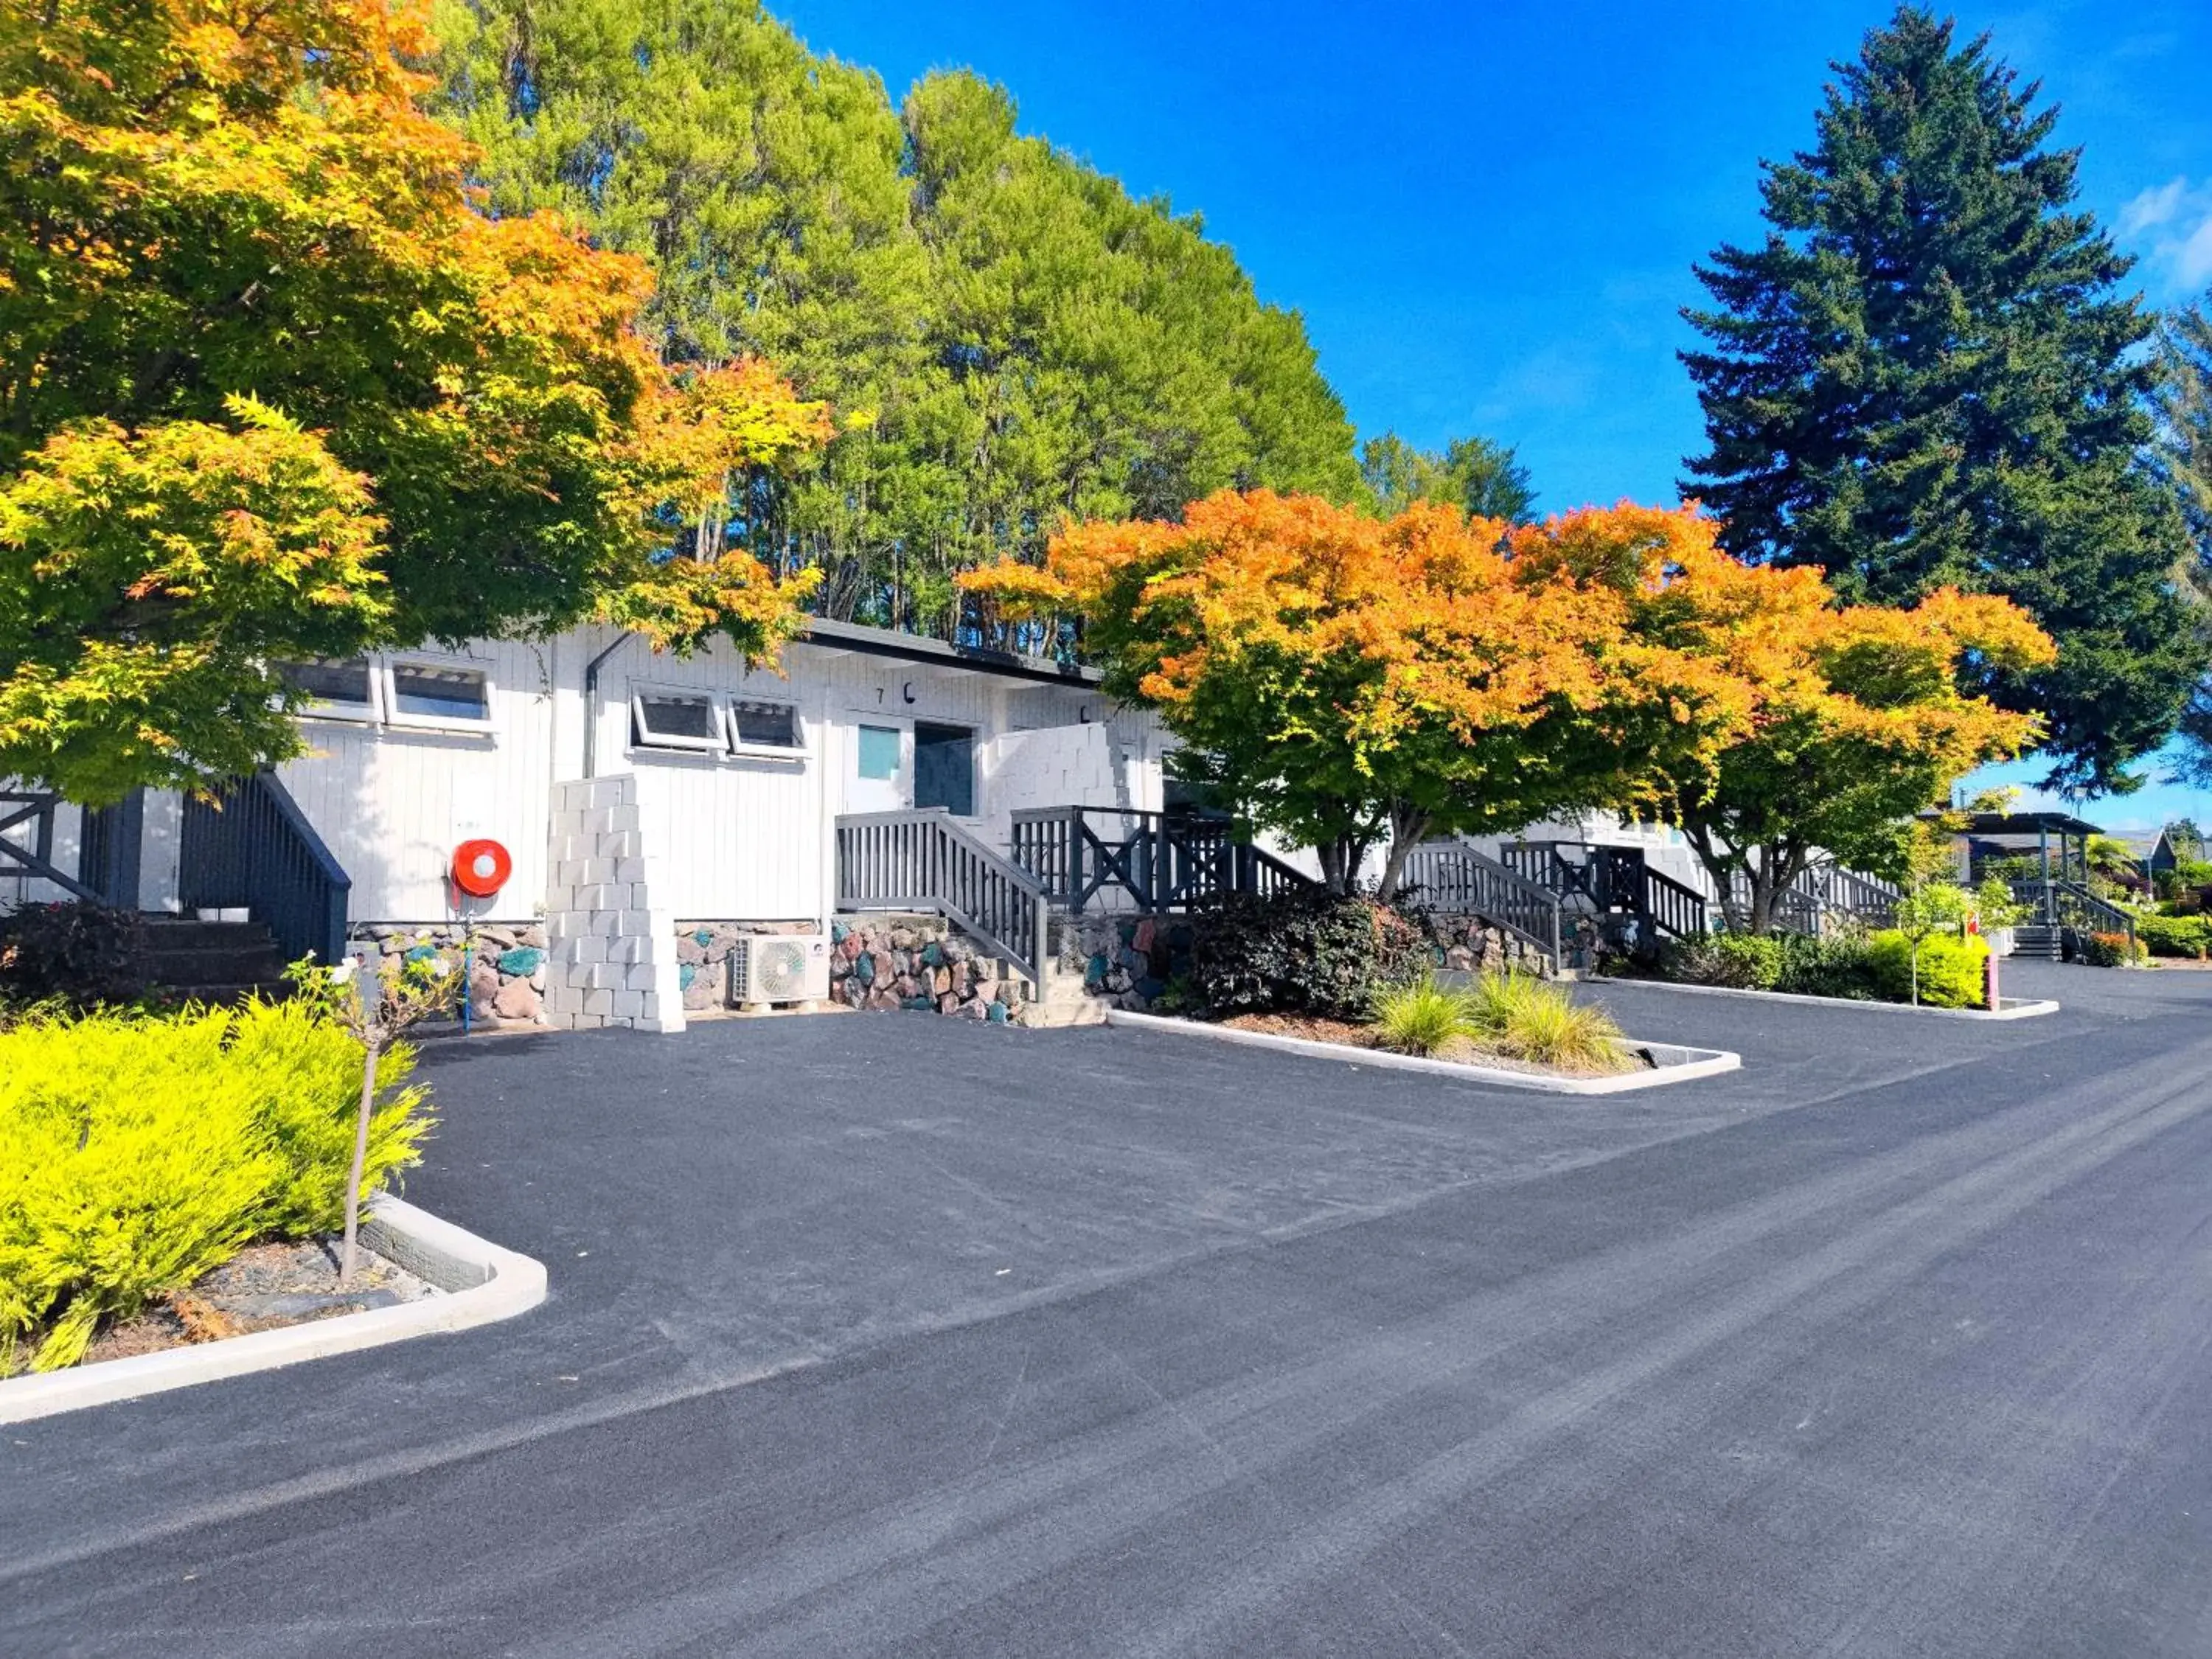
x: 940, y: 653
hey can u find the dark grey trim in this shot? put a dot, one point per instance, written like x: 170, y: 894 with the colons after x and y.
x: 914, y: 648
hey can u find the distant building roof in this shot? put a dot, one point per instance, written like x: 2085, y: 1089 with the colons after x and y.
x: 2029, y: 823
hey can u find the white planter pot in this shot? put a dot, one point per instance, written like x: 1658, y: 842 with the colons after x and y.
x: 2000, y: 941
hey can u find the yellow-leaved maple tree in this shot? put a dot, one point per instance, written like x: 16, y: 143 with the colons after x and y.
x: 1355, y: 684
x: 273, y: 387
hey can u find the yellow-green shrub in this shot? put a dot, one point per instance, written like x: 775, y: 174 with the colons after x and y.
x: 1952, y: 969
x: 138, y: 1153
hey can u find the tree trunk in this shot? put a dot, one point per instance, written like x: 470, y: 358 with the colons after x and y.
x: 373, y: 1042
x: 1408, y: 827
x: 1720, y: 868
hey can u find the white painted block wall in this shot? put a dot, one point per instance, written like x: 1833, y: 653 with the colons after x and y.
x: 610, y: 950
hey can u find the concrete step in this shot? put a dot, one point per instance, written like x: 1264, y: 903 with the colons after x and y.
x: 1064, y: 1002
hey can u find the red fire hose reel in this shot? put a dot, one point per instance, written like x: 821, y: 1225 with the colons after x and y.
x: 480, y: 867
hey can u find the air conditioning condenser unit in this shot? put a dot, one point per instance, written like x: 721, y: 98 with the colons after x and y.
x: 780, y: 967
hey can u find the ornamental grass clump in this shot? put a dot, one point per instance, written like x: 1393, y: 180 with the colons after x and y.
x: 1527, y: 1019
x: 139, y: 1153
x: 1421, y: 1017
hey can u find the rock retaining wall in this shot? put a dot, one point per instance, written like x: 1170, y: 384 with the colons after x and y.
x: 702, y: 957
x: 504, y: 962
x: 918, y: 963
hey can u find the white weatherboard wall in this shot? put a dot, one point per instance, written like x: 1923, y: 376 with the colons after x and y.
x: 738, y: 838
x: 610, y: 951
x: 393, y: 801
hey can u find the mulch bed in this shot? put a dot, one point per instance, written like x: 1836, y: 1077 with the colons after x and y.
x: 1465, y: 1050
x: 262, y: 1288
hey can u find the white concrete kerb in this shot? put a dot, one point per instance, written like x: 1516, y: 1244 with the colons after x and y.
x: 2012, y: 1008
x: 1677, y: 1063
x: 482, y: 1284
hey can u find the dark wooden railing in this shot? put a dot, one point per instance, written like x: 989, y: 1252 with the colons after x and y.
x: 249, y: 844
x: 1796, y: 909
x: 27, y: 845
x: 922, y: 860
x: 1842, y: 892
x: 1451, y: 877
x: 1614, y: 880
x: 1148, y: 861
x: 1672, y: 907
x: 2059, y: 903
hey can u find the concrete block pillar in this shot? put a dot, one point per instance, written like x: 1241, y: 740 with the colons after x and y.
x: 610, y: 953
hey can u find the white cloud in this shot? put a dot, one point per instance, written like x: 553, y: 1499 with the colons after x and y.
x: 2193, y: 258
x: 2154, y: 207
x: 2171, y: 226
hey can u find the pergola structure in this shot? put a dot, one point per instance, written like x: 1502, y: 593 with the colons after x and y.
x: 2071, y: 834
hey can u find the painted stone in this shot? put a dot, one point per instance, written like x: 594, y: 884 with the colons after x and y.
x: 522, y: 961
x: 996, y: 1014
x: 864, y: 970
x: 687, y: 975
x: 918, y: 1004
x: 1094, y: 972
x: 933, y: 953
x: 1142, y: 939
x: 422, y: 953
x: 516, y: 1000
x: 839, y: 933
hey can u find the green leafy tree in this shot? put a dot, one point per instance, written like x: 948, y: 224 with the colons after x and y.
x: 1925, y: 377
x: 271, y: 386
x: 1011, y: 338
x: 1481, y: 478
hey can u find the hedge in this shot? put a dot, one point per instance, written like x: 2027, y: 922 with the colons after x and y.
x: 2175, y: 936
x: 1953, y: 971
x: 138, y: 1153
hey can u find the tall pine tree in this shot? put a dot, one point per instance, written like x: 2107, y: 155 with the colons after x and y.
x: 2184, y: 457
x: 1925, y: 376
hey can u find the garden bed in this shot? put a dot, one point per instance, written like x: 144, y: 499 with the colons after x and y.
x: 264, y: 1287
x: 2006, y: 1008
x: 1654, y: 1063
x: 438, y: 1277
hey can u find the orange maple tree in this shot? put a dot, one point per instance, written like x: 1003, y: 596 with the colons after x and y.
x: 1355, y: 684
x: 271, y: 386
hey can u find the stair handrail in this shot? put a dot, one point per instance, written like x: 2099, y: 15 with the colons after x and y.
x: 1456, y: 877
x: 248, y: 843
x: 1671, y: 906
x: 2096, y: 910
x: 922, y: 859
x: 1840, y: 890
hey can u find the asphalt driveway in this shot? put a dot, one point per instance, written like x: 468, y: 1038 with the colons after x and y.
x: 894, y: 1334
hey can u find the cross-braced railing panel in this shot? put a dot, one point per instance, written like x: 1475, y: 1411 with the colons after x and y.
x: 1117, y: 857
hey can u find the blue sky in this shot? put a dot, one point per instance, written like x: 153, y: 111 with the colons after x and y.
x: 1487, y: 214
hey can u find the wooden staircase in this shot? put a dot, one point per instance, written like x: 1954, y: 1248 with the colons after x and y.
x: 2036, y: 942
x: 213, y: 962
